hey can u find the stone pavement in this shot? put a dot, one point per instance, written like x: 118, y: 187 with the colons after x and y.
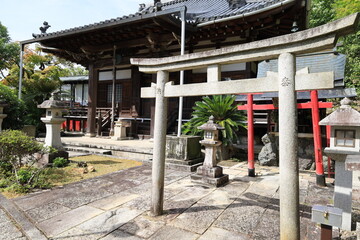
x: 116, y: 206
x: 8, y: 228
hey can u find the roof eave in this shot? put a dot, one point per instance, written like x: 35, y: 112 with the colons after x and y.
x: 105, y: 25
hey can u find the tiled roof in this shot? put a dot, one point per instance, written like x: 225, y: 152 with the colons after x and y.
x: 320, y: 62
x: 198, y: 11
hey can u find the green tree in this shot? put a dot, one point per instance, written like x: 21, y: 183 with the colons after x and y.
x: 225, y: 113
x: 323, y: 11
x: 15, y: 108
x: 41, y: 77
x: 9, y: 51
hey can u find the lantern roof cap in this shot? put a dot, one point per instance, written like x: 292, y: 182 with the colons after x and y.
x: 210, y: 125
x: 345, y: 115
x: 51, y: 103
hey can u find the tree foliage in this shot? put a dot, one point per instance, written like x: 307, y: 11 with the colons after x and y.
x: 41, y: 77
x: 15, y: 108
x: 323, y: 11
x: 9, y: 51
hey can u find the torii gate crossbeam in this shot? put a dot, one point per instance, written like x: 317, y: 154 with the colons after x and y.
x: 284, y: 48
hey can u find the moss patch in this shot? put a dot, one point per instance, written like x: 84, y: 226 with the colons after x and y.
x: 73, y: 173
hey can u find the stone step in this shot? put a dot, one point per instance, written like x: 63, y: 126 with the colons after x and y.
x: 182, y: 167
x: 184, y: 162
x: 87, y: 150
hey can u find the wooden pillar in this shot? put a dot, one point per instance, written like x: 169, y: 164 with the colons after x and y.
x: 320, y: 177
x: 136, y: 86
x: 92, y: 101
x: 288, y: 134
x: 250, y: 120
x: 158, y: 164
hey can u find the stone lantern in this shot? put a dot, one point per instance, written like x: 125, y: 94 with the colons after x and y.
x: 53, y: 121
x: 344, y: 146
x: 209, y: 172
x: 2, y: 115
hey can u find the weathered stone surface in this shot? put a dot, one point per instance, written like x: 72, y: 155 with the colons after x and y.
x: 9, y: 231
x: 78, y: 234
x: 219, y: 233
x: 269, y: 225
x: 183, y: 147
x: 78, y: 199
x: 305, y: 163
x: 194, y: 219
x: 142, y: 226
x: 109, y: 221
x: 65, y: 221
x: 242, y: 216
x: 113, y: 201
x: 120, y: 235
x: 47, y: 211
x: 268, y: 154
x: 167, y: 232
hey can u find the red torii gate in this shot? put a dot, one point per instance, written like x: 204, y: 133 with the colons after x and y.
x: 314, y: 105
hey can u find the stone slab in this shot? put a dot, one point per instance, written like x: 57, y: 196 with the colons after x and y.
x: 194, y: 219
x: 143, y: 226
x: 113, y: 201
x: 120, y: 235
x: 242, y: 215
x: 167, y: 233
x: 65, y: 221
x: 109, y: 221
x: 47, y: 211
x: 219, y: 233
x: 79, y: 198
x: 29, y: 229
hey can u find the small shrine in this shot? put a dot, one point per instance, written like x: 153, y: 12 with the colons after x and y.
x: 209, y: 172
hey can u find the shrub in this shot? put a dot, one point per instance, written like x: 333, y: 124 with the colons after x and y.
x: 60, y: 162
x: 17, y: 159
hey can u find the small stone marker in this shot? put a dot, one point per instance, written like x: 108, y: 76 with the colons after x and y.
x: 209, y: 173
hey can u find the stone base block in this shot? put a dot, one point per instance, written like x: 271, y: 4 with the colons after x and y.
x: 182, y: 167
x: 121, y: 138
x: 217, y: 182
x: 214, y: 172
x: 48, y: 158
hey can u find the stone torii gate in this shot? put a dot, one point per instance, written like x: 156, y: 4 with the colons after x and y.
x: 286, y: 82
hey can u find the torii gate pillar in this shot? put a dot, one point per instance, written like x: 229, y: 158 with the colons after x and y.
x: 289, y: 174
x: 158, y: 166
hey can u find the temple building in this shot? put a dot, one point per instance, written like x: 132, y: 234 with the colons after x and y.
x: 159, y: 30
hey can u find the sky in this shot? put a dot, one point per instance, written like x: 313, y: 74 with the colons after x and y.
x: 24, y: 17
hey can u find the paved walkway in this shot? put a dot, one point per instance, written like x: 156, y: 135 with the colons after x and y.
x: 116, y: 205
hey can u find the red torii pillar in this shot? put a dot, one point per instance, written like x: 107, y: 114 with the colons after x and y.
x: 314, y: 105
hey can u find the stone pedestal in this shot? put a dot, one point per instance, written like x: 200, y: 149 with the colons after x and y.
x: 120, y: 129
x: 343, y: 187
x: 210, y: 175
x: 183, y: 153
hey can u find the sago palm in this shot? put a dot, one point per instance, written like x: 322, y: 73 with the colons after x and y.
x: 225, y: 114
